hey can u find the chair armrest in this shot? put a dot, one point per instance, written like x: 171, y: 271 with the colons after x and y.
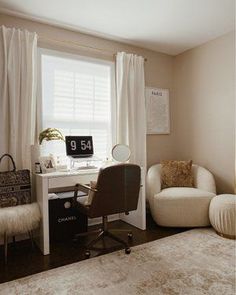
x: 203, y: 179
x: 84, y: 188
x: 153, y: 182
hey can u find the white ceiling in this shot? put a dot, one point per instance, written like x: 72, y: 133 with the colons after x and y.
x: 169, y: 26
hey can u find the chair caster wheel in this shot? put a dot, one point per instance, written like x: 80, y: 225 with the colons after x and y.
x: 127, y: 250
x: 130, y: 236
x: 87, y: 254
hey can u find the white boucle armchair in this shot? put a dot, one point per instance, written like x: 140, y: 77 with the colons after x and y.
x: 181, y: 206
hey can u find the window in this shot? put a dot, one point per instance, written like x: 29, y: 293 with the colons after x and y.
x: 77, y: 98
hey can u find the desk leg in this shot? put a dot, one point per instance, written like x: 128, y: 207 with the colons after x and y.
x: 138, y: 217
x: 42, y: 199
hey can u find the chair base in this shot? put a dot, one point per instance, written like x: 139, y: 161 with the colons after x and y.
x: 104, y: 232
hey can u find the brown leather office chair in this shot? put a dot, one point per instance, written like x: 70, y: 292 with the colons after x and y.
x: 117, y: 191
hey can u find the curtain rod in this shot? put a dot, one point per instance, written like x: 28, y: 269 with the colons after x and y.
x: 104, y: 51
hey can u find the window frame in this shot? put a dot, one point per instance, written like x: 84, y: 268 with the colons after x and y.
x: 55, y: 53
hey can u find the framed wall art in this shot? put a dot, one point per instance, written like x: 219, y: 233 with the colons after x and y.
x: 47, y: 164
x: 157, y: 111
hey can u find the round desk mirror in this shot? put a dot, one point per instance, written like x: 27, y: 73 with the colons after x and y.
x: 121, y: 153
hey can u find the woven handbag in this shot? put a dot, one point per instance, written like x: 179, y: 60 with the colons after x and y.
x: 15, y: 186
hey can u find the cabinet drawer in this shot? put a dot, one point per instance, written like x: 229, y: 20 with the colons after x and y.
x: 64, y: 181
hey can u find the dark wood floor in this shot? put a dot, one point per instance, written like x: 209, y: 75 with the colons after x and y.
x: 24, y: 261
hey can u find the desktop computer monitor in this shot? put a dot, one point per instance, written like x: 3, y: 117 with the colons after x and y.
x: 79, y: 146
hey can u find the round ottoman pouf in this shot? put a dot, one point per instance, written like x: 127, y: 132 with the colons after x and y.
x: 222, y: 214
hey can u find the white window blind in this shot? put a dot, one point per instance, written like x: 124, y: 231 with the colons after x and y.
x: 77, y: 99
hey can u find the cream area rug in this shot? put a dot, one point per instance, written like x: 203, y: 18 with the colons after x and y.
x: 194, y: 262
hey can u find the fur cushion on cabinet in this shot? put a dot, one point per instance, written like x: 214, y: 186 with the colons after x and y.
x: 19, y: 219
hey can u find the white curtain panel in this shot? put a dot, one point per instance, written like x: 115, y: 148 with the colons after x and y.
x: 131, y: 112
x: 18, y: 58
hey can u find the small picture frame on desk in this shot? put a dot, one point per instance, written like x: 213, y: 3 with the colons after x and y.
x: 61, y: 163
x: 47, y: 164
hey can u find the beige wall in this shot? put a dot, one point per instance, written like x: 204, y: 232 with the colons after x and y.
x: 201, y: 94
x: 158, y: 67
x: 204, y: 82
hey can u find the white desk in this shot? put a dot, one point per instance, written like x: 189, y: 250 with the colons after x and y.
x: 54, y: 180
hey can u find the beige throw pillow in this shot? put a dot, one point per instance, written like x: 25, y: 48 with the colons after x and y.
x: 176, y: 174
